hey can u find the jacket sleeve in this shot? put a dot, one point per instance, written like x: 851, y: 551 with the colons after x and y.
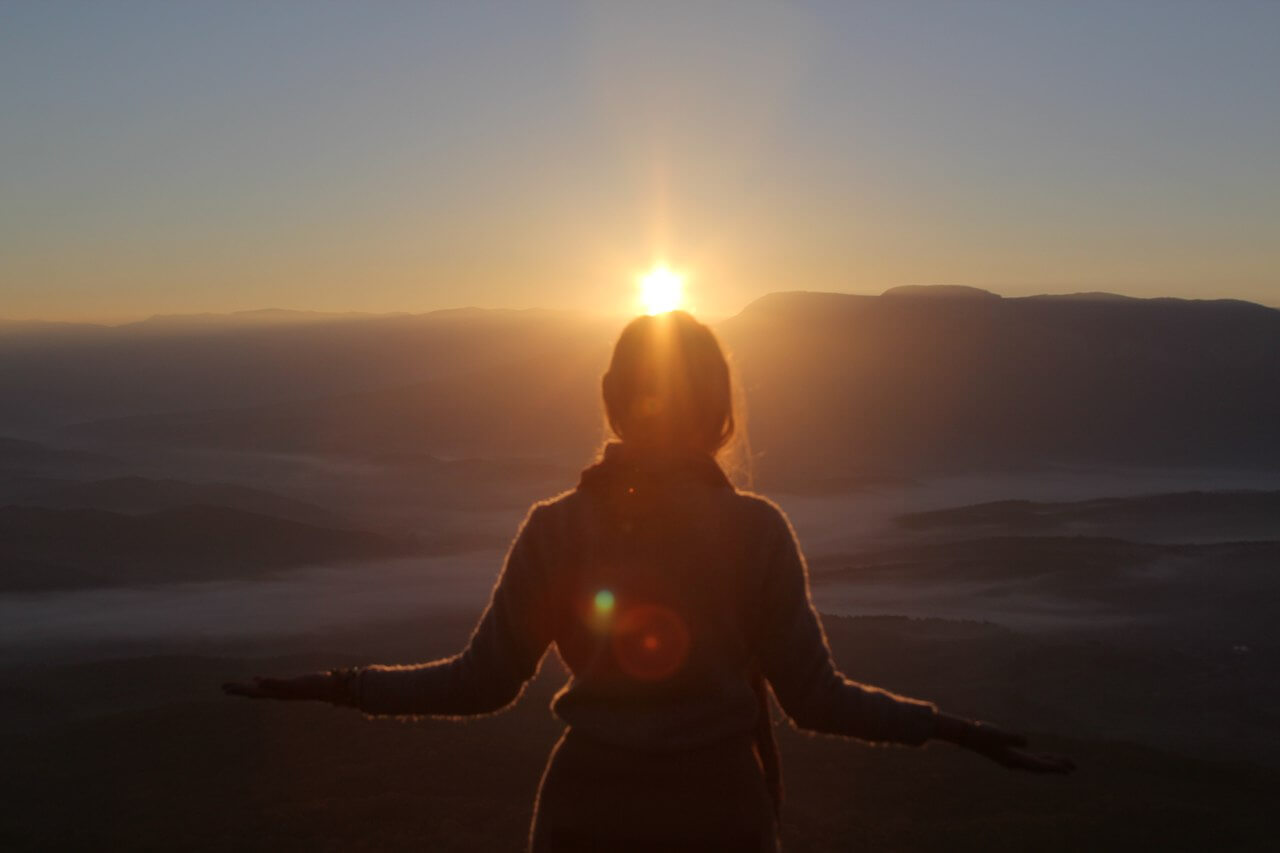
x: 796, y: 660
x: 503, y: 653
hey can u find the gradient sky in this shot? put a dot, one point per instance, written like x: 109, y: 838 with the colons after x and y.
x: 170, y: 157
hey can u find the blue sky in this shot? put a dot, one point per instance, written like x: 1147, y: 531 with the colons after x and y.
x: 168, y: 157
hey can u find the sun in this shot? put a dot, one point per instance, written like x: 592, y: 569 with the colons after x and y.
x: 661, y: 290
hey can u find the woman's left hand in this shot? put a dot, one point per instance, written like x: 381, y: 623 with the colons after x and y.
x: 319, y: 686
x: 1003, y: 747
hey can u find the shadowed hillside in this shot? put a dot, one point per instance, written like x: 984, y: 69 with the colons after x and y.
x: 54, y: 373
x: 137, y: 495
x: 172, y: 764
x: 913, y: 381
x: 932, y: 379
x: 1181, y: 517
x: 30, y: 458
x: 60, y: 548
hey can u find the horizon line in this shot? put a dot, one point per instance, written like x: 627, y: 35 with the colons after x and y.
x: 896, y: 290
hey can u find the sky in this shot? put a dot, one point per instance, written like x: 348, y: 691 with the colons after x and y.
x: 173, y: 157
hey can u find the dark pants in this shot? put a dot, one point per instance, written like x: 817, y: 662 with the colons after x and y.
x: 599, y: 797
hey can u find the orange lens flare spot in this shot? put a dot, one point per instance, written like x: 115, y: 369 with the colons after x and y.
x: 650, y: 642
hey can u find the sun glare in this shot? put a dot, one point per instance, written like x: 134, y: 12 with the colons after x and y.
x: 661, y: 290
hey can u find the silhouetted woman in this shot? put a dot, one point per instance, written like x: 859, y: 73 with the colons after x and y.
x: 673, y: 599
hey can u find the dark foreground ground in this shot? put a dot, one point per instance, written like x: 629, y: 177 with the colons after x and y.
x: 144, y: 753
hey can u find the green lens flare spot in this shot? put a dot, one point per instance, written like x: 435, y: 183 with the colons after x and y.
x: 604, y: 601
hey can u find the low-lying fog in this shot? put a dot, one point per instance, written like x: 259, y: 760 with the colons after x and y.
x: 292, y: 602
x: 53, y: 624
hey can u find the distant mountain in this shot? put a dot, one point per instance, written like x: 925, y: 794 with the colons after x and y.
x: 18, y: 456
x: 839, y: 388
x: 259, y: 317
x: 44, y: 548
x: 141, y: 495
x: 54, y: 375
x: 546, y: 404
x: 840, y: 383
x: 1182, y: 516
x: 939, y: 291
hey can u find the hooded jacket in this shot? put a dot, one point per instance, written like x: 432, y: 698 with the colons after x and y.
x: 666, y: 592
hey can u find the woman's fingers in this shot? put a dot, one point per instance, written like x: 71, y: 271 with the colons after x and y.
x: 313, y: 686
x: 239, y: 688
x: 1017, y: 759
x: 1000, y: 745
x: 262, y: 688
x: 280, y: 688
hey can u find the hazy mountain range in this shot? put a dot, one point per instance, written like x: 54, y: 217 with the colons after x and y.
x: 42, y: 548
x: 927, y: 379
x: 143, y: 495
x: 1177, y: 517
x: 915, y: 380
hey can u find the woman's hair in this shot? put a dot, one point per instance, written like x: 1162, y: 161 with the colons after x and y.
x: 668, y: 387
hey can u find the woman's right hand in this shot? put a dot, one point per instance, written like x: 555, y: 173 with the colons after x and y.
x: 319, y: 686
x: 1003, y: 747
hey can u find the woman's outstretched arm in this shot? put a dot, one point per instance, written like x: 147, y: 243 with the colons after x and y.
x: 490, y: 673
x: 796, y: 660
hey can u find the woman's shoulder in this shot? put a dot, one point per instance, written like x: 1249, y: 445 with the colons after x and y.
x: 547, y: 510
x: 760, y: 508
x: 574, y: 509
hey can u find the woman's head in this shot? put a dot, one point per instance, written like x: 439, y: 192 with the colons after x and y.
x: 668, y: 387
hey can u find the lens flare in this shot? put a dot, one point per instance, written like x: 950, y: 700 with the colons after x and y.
x: 604, y: 602
x: 661, y: 290
x: 650, y: 642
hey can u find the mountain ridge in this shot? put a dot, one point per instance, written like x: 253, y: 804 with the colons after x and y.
x: 43, y: 548
x: 836, y: 385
